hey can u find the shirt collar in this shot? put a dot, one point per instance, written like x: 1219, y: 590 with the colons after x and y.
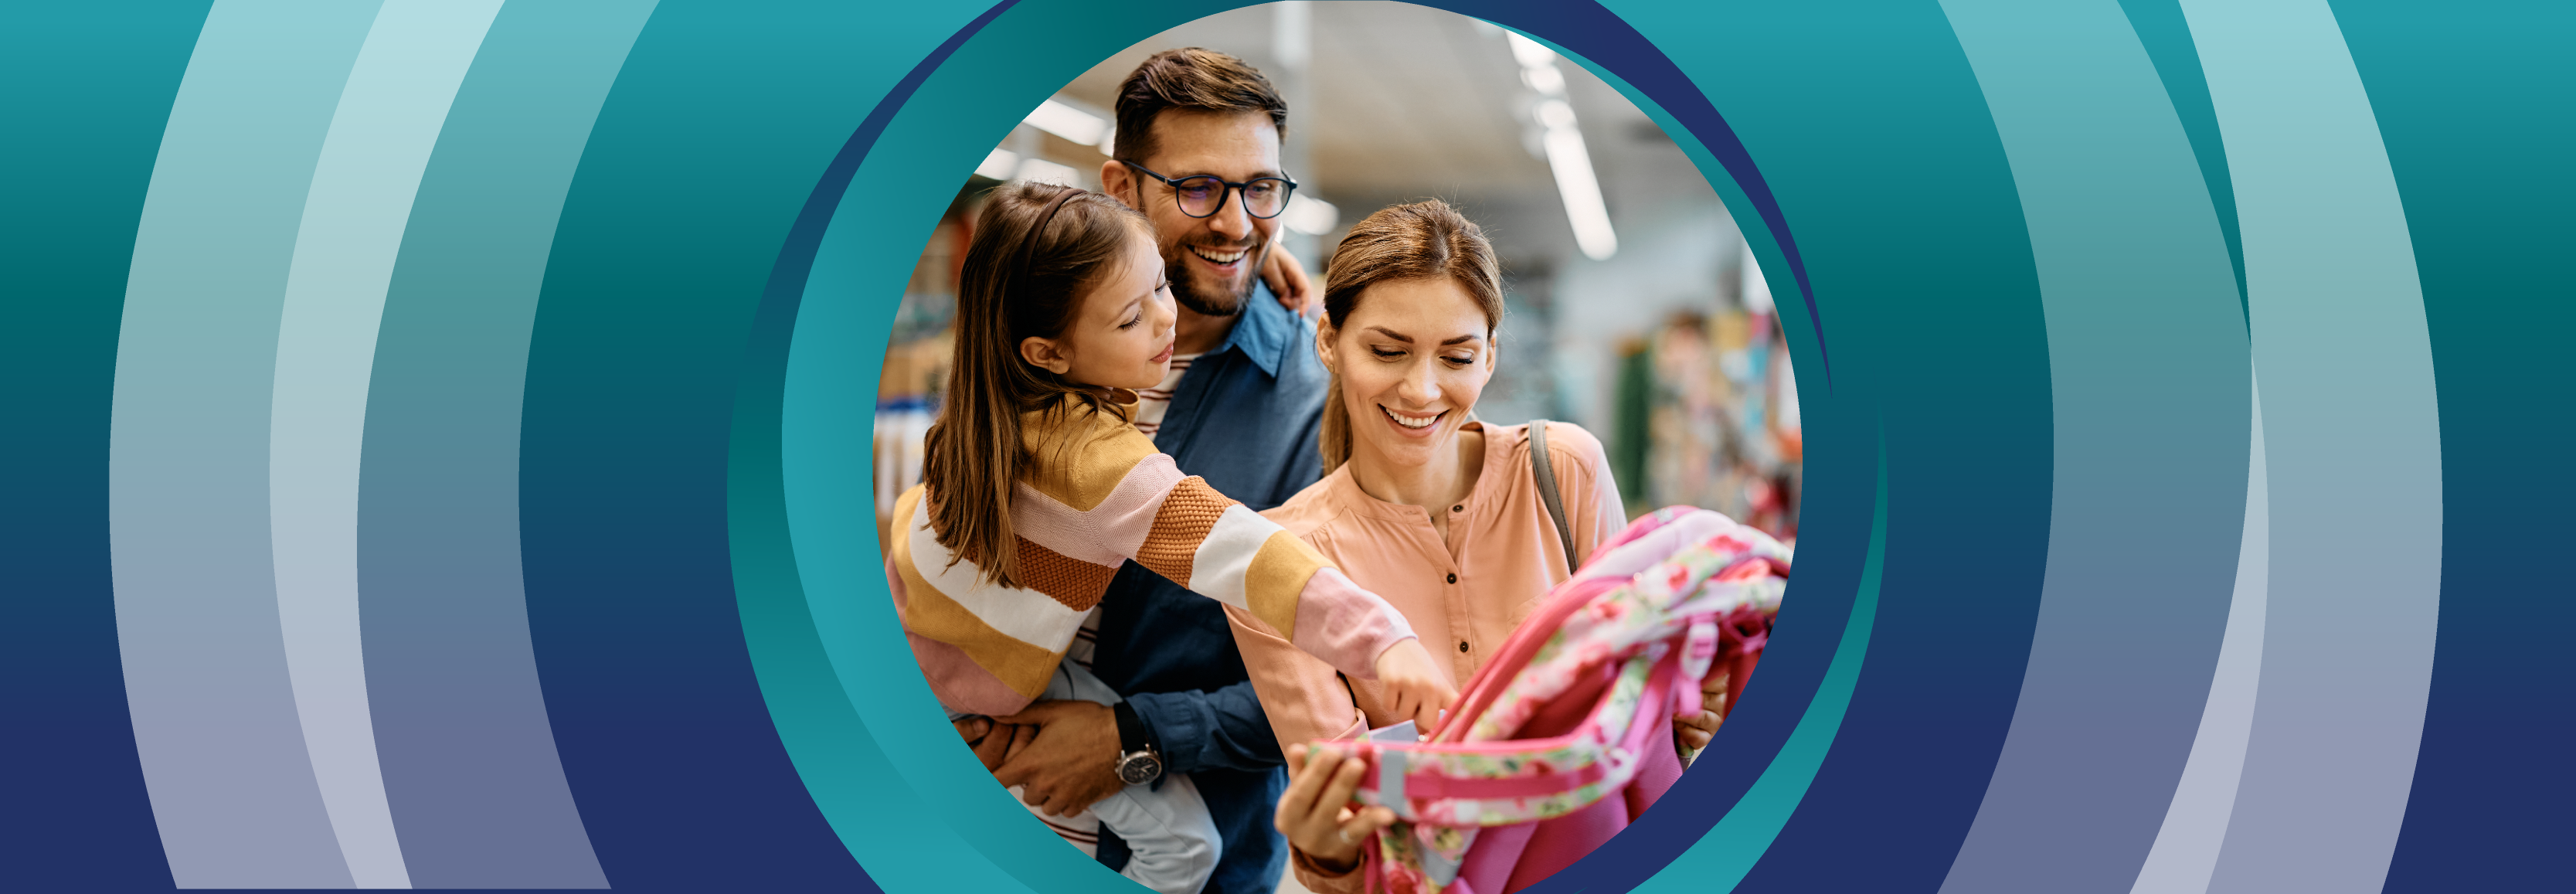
x: 1264, y: 332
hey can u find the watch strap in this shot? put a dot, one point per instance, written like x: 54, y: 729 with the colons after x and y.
x: 1131, y: 729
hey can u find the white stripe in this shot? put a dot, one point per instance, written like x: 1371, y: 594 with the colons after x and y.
x: 1025, y: 615
x: 388, y: 120
x: 1217, y: 570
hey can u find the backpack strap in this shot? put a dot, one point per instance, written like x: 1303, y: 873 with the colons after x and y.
x: 1548, y: 492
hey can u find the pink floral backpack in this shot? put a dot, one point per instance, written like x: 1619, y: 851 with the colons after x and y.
x: 1565, y: 736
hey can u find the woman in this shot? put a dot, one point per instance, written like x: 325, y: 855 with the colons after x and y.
x: 1439, y: 514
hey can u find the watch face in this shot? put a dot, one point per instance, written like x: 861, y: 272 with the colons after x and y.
x: 1139, y: 768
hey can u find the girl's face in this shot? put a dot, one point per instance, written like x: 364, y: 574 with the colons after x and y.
x: 1121, y: 337
x: 1413, y: 355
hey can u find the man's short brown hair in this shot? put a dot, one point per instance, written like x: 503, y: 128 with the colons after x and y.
x: 1193, y: 79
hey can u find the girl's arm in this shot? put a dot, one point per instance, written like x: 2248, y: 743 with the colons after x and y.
x: 1304, y: 699
x: 1116, y: 497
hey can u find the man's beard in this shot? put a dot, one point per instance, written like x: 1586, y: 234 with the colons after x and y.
x: 1188, y: 292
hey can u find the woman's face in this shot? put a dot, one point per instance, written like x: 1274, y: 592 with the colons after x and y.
x: 1122, y: 335
x: 1413, y: 355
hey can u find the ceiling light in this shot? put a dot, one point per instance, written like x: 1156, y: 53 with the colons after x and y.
x: 1581, y: 192
x: 1545, y: 79
x: 999, y: 165
x: 1044, y: 171
x: 1069, y: 122
x: 1553, y: 114
x: 1530, y: 52
x: 1313, y: 217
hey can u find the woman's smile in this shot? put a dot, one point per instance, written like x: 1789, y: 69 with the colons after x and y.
x: 1412, y: 424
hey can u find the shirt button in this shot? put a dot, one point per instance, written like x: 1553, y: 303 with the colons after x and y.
x: 1453, y: 578
x: 1462, y: 645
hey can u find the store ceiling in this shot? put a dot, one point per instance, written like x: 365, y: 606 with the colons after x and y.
x: 1404, y: 101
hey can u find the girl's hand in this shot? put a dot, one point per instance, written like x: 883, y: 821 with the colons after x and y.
x: 1414, y: 686
x: 1287, y: 280
x: 1695, y: 732
x: 993, y: 742
x: 1316, y: 814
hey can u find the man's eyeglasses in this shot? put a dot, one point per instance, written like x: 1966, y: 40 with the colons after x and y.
x: 1203, y: 195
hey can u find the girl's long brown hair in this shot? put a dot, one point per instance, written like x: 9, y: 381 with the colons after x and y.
x: 1423, y: 240
x: 1014, y: 284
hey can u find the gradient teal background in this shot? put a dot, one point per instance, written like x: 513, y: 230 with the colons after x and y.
x: 2187, y: 468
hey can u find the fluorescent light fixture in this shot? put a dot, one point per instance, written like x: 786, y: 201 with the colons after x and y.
x: 1554, y: 114
x: 1531, y: 53
x: 1109, y: 138
x: 999, y: 165
x: 1566, y: 155
x: 1313, y: 217
x: 1069, y: 122
x: 1545, y: 79
x: 1044, y: 171
x: 1582, y: 193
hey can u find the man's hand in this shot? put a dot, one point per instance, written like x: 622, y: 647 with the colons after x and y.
x: 1287, y: 280
x: 1071, y: 763
x: 1695, y: 732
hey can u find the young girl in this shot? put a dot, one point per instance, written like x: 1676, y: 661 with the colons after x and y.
x: 1037, y: 486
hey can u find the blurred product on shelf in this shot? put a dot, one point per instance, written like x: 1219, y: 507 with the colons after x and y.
x: 1706, y: 414
x: 917, y: 355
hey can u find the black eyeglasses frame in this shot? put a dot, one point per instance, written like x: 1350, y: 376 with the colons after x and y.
x: 1231, y: 188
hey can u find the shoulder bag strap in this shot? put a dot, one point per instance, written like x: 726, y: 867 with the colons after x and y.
x: 1548, y: 493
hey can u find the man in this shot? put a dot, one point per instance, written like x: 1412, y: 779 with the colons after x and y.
x: 1241, y: 408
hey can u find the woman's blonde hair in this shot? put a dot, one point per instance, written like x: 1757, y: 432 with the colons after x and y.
x: 1423, y: 240
x: 1035, y: 252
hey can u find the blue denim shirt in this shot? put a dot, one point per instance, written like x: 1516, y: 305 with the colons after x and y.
x: 1244, y: 417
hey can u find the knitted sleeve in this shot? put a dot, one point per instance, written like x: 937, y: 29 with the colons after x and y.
x: 1121, y: 499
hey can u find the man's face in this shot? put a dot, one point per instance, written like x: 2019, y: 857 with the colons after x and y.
x: 1213, y: 260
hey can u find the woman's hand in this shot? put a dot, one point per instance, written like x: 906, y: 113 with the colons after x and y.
x: 1695, y: 732
x: 1413, y: 685
x: 1315, y: 811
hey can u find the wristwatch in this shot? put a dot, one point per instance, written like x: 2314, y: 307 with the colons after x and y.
x: 1138, y: 762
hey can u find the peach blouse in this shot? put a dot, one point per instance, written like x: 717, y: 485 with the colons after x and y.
x: 1462, y: 599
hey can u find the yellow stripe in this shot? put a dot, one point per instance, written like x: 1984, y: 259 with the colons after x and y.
x: 928, y: 612
x: 1276, y: 578
x: 1083, y: 473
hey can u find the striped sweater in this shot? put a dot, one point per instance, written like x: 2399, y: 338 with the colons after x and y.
x: 1105, y: 498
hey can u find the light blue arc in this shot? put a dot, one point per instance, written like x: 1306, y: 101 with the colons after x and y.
x: 2354, y: 454
x: 2186, y: 848
x: 470, y: 765
x: 2148, y: 368
x: 369, y: 170
x: 215, y: 716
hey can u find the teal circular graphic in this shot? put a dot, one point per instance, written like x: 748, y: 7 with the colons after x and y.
x: 443, y: 436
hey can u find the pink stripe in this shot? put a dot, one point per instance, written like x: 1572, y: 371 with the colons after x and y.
x: 1111, y: 532
x: 1344, y: 625
x: 960, y: 683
